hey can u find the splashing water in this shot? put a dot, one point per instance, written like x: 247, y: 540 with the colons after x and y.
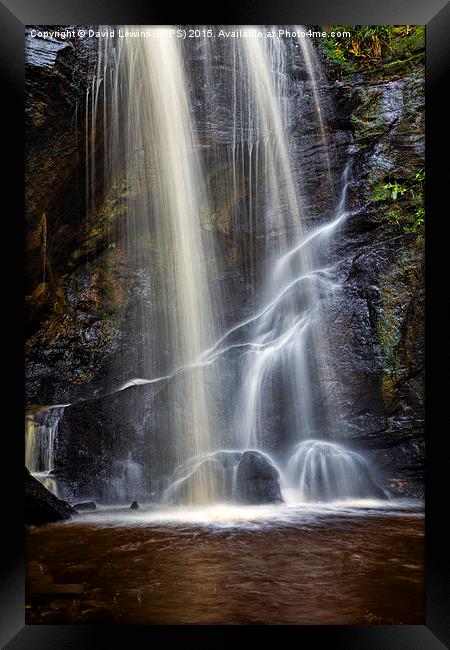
x: 127, y: 480
x: 323, y: 471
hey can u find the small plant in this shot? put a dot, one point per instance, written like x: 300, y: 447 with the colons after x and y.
x: 396, y: 189
x: 368, y: 41
x: 368, y: 45
x: 398, y: 212
x: 419, y: 221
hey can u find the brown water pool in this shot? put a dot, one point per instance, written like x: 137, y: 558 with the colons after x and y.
x: 344, y: 566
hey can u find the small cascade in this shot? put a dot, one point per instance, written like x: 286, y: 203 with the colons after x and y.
x: 127, y: 483
x: 41, y: 428
x: 325, y: 471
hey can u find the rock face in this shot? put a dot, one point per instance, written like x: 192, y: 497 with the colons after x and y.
x: 41, y: 506
x: 375, y: 323
x: 71, y: 307
x: 257, y: 480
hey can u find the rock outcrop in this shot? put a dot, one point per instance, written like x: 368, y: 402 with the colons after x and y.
x: 41, y: 506
x: 247, y: 477
x: 86, y: 505
x: 257, y: 480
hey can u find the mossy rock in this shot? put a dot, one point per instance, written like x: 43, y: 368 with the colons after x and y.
x: 406, y: 45
x: 399, y: 288
x: 376, y: 51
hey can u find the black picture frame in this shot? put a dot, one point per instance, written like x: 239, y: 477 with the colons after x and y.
x: 435, y: 14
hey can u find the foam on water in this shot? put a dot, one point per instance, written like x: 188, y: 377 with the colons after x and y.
x: 226, y: 515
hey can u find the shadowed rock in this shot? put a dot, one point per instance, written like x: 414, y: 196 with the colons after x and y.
x: 257, y: 479
x: 87, y: 505
x: 41, y: 506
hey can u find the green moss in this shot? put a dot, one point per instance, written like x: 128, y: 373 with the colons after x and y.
x: 397, y: 291
x: 393, y: 65
x: 388, y: 326
x: 389, y: 391
x: 389, y: 336
x: 396, y: 214
x: 380, y: 49
x: 334, y: 52
x: 405, y: 42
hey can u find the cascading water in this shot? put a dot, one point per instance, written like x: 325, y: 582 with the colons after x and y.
x: 314, y: 71
x: 288, y: 330
x: 221, y: 464
x: 41, y: 427
x: 222, y: 385
x: 126, y: 483
x: 282, y: 340
x: 163, y: 234
x: 325, y: 471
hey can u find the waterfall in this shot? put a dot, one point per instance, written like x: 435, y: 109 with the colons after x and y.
x: 208, y: 184
x: 127, y: 481
x: 152, y: 119
x: 314, y: 72
x: 41, y: 428
x: 222, y: 465
x: 289, y: 351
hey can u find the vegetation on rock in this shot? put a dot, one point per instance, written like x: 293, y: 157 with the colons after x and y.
x: 370, y: 47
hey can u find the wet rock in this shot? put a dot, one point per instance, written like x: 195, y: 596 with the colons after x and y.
x: 257, y: 479
x: 98, y: 463
x: 41, y: 506
x: 134, y: 505
x: 216, y: 470
x: 86, y: 505
x: 246, y: 477
x: 42, y: 52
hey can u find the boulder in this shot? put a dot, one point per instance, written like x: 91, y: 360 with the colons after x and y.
x: 257, y: 479
x: 41, y: 506
x: 206, y: 478
x: 244, y: 477
x: 86, y: 505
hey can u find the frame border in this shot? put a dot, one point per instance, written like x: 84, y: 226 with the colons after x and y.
x: 435, y: 14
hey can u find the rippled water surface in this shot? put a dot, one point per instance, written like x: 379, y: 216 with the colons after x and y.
x: 347, y: 563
